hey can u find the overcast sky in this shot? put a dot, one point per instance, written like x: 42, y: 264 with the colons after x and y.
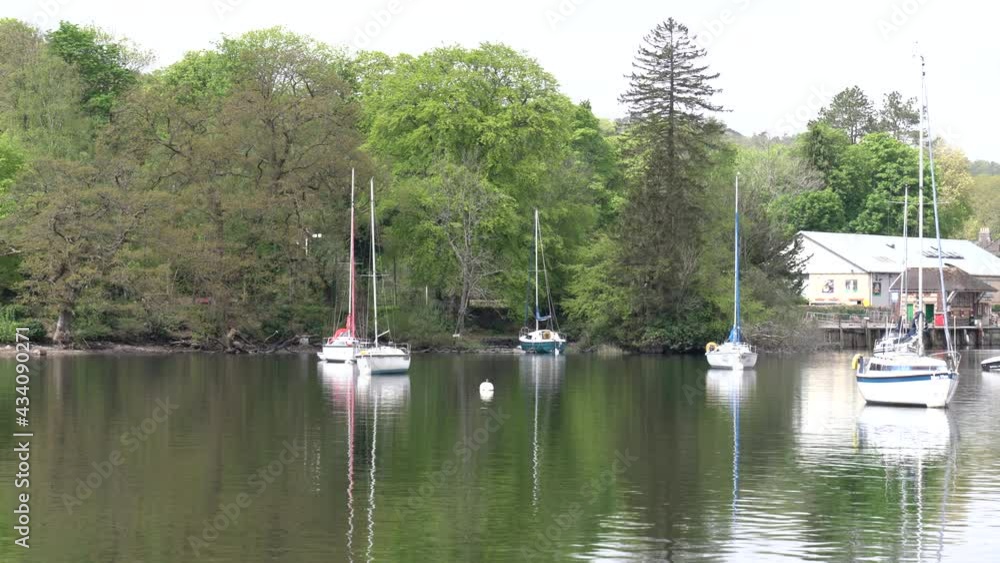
x: 780, y: 60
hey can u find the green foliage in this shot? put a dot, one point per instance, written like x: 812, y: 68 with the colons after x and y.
x: 865, y: 184
x: 852, y: 112
x: 12, y: 159
x: 682, y: 333
x: 187, y: 203
x: 821, y: 210
x: 259, y: 162
x: 460, y: 215
x: 10, y: 276
x: 663, y: 224
x: 201, y: 77
x: 867, y: 163
x: 288, y: 319
x: 657, y: 287
x: 770, y: 172
x: 598, y: 301
x: 984, y: 200
x: 8, y: 324
x: 423, y: 326
x: 889, y: 167
x: 490, y: 101
x: 72, y: 223
x: 11, y: 319
x: 898, y: 117
x: 954, y: 185
x: 597, y: 158
x: 107, y: 68
x: 498, y: 115
x: 40, y: 96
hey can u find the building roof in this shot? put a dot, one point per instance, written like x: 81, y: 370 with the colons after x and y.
x: 954, y: 280
x: 884, y: 254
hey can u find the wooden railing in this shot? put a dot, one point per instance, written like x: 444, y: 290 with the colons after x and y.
x: 873, y: 318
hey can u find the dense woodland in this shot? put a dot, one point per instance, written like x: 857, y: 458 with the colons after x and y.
x: 184, y: 204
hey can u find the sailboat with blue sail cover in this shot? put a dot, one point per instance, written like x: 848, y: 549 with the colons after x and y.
x: 735, y: 353
x: 545, y: 338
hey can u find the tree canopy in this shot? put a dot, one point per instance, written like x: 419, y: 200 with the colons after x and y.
x: 206, y: 202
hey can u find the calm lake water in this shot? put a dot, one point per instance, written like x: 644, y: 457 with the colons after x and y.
x: 238, y: 459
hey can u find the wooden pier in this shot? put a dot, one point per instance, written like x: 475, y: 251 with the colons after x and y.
x: 849, y: 332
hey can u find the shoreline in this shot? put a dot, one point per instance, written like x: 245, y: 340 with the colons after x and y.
x: 117, y: 349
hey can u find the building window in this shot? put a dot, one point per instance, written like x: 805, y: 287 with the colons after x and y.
x: 877, y: 288
x: 851, y: 286
x: 828, y: 286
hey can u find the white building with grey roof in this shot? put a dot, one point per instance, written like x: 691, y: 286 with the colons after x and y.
x: 855, y: 269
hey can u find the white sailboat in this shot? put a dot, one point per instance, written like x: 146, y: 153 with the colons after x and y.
x: 342, y: 346
x: 378, y: 358
x: 735, y: 353
x: 914, y: 377
x: 543, y: 339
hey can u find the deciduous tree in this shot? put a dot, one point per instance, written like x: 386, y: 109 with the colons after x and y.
x: 72, y: 225
x: 256, y: 141
x: 107, y: 66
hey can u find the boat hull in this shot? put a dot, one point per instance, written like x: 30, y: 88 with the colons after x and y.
x: 731, y: 360
x: 383, y: 360
x: 928, y: 384
x: 543, y: 347
x: 337, y: 353
x: 733, y: 357
x: 991, y: 364
x: 932, y: 391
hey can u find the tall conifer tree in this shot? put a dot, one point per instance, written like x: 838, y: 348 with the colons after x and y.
x: 670, y: 102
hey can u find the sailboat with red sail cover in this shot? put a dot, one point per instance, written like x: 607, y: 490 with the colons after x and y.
x: 343, y: 345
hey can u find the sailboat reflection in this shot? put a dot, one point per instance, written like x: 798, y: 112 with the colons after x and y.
x: 543, y: 375
x: 725, y: 386
x: 375, y: 395
x: 913, y: 444
x: 338, y: 377
x: 341, y: 379
x: 388, y: 394
x: 547, y: 371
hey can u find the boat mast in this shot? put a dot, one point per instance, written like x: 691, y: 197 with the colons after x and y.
x: 736, y: 276
x: 536, y: 270
x: 920, y: 224
x: 374, y: 276
x: 937, y: 222
x: 906, y: 255
x: 350, y: 284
